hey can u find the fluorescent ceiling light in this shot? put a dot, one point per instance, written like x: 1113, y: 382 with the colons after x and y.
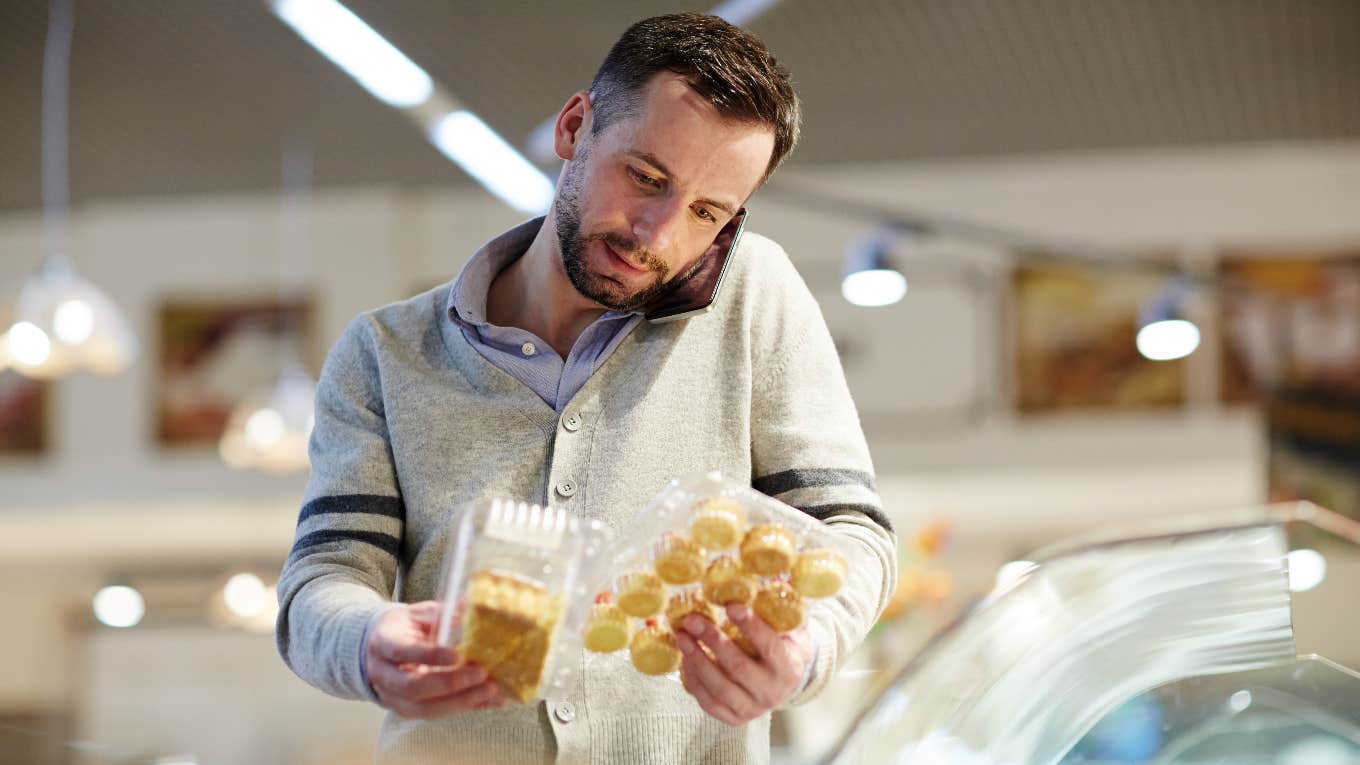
x: 738, y: 12
x: 353, y: 46
x: 476, y: 148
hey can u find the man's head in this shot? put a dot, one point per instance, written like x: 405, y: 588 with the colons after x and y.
x: 686, y: 118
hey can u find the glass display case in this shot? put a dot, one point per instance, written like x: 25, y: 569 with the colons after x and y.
x: 1171, y: 644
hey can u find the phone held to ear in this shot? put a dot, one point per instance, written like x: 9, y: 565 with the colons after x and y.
x: 696, y: 294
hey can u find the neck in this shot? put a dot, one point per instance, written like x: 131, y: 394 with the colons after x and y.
x: 535, y: 294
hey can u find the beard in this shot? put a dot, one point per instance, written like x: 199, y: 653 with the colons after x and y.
x: 573, y: 244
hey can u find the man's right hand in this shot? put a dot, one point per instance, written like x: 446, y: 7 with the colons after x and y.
x: 418, y: 679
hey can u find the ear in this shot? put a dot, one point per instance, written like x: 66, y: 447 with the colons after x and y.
x: 572, y: 123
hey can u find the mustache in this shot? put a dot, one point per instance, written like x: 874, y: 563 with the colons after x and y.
x: 625, y: 245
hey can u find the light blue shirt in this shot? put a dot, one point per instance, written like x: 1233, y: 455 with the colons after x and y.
x: 518, y: 352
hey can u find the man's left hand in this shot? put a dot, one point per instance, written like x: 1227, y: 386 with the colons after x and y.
x: 732, y: 686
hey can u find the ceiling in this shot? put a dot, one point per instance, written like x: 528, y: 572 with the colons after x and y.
x: 194, y: 96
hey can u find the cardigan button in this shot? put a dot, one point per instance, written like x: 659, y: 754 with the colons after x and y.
x: 566, y: 488
x: 565, y: 712
x: 572, y: 423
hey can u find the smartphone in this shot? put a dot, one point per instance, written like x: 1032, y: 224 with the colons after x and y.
x: 696, y: 294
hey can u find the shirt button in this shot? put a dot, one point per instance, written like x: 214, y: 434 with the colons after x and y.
x: 529, y: 349
x: 572, y: 423
x: 566, y: 488
x: 565, y: 712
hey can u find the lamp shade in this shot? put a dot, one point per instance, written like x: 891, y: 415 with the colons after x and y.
x: 65, y: 323
x: 270, y: 431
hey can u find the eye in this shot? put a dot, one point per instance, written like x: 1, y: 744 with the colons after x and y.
x: 643, y: 178
x: 706, y: 215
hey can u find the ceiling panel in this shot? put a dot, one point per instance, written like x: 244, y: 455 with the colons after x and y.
x: 189, y: 96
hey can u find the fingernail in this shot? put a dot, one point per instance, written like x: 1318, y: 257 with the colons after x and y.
x: 738, y: 612
x: 694, y: 626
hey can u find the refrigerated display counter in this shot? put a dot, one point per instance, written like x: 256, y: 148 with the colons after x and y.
x: 1171, y: 644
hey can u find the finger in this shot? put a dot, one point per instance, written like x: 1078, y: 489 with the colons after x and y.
x: 762, y: 636
x: 707, y: 702
x: 411, y: 650
x: 718, y: 685
x: 495, y: 702
x: 427, y: 613
x: 742, y: 669
x: 416, y: 682
x: 465, y: 701
x: 468, y: 700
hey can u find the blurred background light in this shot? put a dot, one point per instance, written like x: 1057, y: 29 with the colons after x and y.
x: 245, y: 595
x: 119, y: 606
x: 1164, y: 333
x: 870, y: 279
x: 1168, y: 340
x: 1307, y: 569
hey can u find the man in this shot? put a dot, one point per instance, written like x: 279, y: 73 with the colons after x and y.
x: 534, y: 376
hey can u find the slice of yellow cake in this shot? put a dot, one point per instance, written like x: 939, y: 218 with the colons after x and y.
x: 510, y: 625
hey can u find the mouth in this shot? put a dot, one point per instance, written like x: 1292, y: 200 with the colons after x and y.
x: 620, y: 261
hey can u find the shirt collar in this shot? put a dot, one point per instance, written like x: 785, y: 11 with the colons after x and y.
x: 467, y: 299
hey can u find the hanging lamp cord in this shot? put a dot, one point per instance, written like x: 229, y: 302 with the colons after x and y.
x: 55, y: 173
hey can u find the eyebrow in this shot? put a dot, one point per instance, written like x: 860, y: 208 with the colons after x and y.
x: 651, y: 159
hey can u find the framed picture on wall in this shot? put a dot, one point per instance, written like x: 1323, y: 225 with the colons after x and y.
x: 1290, y: 333
x: 23, y: 408
x: 1072, y: 332
x: 215, y: 353
x: 1289, y: 321
x: 23, y: 414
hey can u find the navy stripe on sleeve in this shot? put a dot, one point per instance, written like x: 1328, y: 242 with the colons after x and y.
x: 375, y: 504
x: 822, y: 512
x: 802, y: 478
x: 382, y: 541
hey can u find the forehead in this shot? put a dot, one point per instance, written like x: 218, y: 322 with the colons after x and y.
x: 697, y: 144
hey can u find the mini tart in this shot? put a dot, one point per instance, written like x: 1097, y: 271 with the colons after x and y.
x: 679, y: 560
x: 818, y: 574
x: 768, y: 549
x: 780, y: 606
x: 717, y: 523
x: 734, y: 633
x: 683, y: 604
x: 640, y: 594
x: 653, y: 651
x: 727, y: 581
x: 606, y: 628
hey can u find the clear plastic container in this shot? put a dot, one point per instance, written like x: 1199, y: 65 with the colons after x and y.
x: 515, y: 593
x: 702, y: 542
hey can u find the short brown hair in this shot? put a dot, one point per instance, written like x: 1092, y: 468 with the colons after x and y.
x: 725, y: 64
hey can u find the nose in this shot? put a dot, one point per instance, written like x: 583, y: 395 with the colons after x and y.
x: 657, y: 225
